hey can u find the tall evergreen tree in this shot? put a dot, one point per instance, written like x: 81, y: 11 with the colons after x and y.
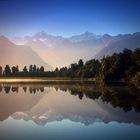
x: 34, y: 68
x: 25, y: 69
x: 7, y: 70
x: 30, y: 68
x: 41, y: 69
x: 1, y: 71
x: 80, y: 63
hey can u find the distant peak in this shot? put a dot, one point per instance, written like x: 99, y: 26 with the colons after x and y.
x: 106, y: 35
x: 41, y: 34
x: 44, y: 36
x: 136, y: 34
x: 88, y: 33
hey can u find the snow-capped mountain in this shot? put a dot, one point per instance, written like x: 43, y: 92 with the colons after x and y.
x: 59, y: 51
x: 84, y: 36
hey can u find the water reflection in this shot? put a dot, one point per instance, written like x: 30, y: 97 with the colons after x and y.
x: 15, y: 88
x: 43, y: 103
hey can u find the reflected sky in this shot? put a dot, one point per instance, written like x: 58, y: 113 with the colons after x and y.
x: 67, y: 129
x: 68, y: 112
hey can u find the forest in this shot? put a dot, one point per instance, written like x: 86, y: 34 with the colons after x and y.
x: 119, y: 67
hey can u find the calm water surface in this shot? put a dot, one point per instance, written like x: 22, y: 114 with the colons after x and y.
x: 71, y: 112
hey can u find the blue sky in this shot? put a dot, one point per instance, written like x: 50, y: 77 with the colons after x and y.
x: 69, y: 17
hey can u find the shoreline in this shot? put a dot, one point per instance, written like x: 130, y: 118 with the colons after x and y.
x: 57, y: 80
x: 44, y: 80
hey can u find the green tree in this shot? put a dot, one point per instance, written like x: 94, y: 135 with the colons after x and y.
x: 80, y: 63
x: 30, y: 68
x: 41, y: 69
x: 17, y: 69
x: 7, y: 70
x: 14, y: 69
x: 56, y: 72
x: 25, y: 69
x: 1, y: 71
x: 37, y: 69
x: 34, y: 68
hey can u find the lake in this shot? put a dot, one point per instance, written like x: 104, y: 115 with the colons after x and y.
x: 69, y: 111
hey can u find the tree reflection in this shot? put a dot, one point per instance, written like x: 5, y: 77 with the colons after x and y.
x: 25, y: 89
x: 0, y: 88
x: 35, y: 90
x: 122, y: 97
x: 7, y: 89
x: 14, y: 89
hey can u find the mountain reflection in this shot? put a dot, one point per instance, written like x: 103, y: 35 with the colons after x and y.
x: 92, y: 102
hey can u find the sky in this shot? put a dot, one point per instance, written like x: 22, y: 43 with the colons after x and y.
x: 19, y: 18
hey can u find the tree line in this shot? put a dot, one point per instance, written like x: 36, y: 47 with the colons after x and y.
x: 117, y: 67
x: 14, y: 71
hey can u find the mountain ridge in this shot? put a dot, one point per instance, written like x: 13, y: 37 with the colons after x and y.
x: 21, y: 55
x: 62, y: 51
x: 59, y: 51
